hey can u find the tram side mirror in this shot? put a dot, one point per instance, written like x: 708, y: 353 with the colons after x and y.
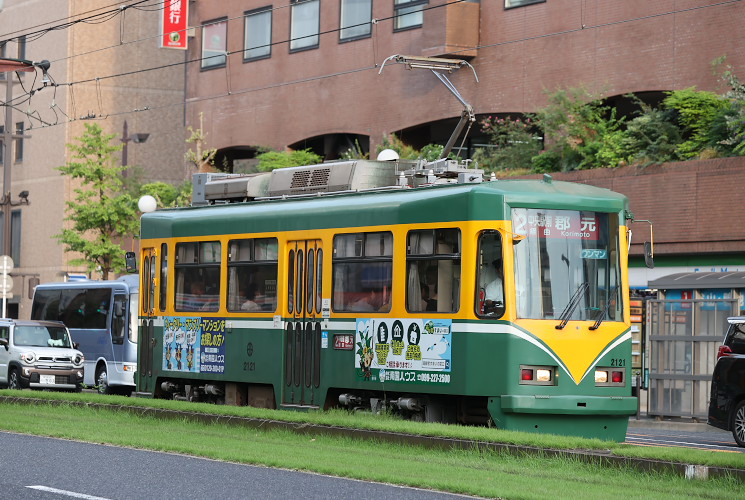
x: 648, y: 259
x: 130, y: 262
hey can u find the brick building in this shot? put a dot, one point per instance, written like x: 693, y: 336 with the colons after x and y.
x: 308, y: 74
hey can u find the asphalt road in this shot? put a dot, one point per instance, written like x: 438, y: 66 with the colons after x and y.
x: 38, y: 468
x: 695, y: 436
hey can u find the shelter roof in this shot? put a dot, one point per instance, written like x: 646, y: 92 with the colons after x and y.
x: 699, y: 280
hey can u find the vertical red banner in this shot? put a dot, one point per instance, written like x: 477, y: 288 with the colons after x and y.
x: 174, y: 24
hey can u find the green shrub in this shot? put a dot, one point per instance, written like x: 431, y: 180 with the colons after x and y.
x: 513, y: 142
x: 695, y: 112
x: 271, y: 160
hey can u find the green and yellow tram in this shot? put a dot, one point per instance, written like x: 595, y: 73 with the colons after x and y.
x: 400, y: 286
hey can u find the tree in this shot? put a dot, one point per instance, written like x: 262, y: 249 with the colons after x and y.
x: 430, y: 152
x: 201, y: 157
x: 270, y: 160
x: 100, y: 214
x: 727, y: 133
x: 168, y: 195
x: 512, y: 144
x: 696, y: 111
x: 580, y: 132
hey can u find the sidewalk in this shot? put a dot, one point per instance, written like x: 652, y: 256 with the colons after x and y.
x: 684, y: 424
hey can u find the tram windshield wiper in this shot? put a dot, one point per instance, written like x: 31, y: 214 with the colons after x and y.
x: 604, y: 312
x: 572, y: 305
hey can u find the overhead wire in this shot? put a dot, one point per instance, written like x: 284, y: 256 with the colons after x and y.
x: 65, y: 25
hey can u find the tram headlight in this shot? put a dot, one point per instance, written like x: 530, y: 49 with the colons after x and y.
x: 537, y: 375
x: 543, y: 375
x: 601, y: 377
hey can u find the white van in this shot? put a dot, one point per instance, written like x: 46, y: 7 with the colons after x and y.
x: 39, y: 355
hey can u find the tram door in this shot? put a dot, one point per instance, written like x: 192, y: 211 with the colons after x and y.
x: 147, y: 338
x: 302, y: 370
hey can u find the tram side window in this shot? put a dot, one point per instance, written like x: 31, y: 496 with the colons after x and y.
x: 197, y: 285
x: 433, y: 262
x: 252, y: 275
x: 362, y: 269
x: 490, y: 279
x: 163, y: 276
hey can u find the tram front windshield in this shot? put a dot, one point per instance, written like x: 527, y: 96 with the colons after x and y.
x: 567, y: 265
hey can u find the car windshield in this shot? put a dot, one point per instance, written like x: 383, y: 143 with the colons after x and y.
x: 736, y: 338
x: 42, y: 336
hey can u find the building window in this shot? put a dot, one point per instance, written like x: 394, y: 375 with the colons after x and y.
x: 15, y: 235
x: 3, y: 55
x: 305, y: 24
x: 258, y: 34
x: 19, y: 142
x: 408, y: 14
x: 356, y: 16
x: 508, y: 4
x: 21, y: 49
x: 214, y: 44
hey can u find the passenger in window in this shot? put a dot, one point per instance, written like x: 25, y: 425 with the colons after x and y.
x: 198, y: 299
x: 494, y: 290
x: 374, y: 300
x: 194, y: 300
x: 425, y: 297
x: 431, y: 300
x: 250, y: 295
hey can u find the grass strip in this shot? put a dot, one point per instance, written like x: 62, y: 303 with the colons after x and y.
x: 474, y: 472
x: 342, y: 418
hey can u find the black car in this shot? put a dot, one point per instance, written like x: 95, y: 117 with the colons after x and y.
x: 727, y: 403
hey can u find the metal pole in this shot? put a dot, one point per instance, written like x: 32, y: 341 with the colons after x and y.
x: 125, y: 140
x: 7, y: 142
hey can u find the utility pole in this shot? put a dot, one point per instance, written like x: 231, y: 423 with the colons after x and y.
x: 10, y: 67
x: 7, y: 141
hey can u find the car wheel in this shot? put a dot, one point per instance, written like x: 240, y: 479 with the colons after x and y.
x: 14, y: 379
x: 738, y: 423
x: 102, y: 381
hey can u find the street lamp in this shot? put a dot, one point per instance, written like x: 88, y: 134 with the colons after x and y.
x: 138, y: 138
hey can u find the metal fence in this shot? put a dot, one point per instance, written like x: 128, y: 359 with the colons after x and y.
x: 683, y: 338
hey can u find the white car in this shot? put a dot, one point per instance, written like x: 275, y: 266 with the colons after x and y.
x: 39, y: 355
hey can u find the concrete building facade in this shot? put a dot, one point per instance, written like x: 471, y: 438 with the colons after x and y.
x: 99, y: 56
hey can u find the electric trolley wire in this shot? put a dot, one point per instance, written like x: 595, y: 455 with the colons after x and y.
x: 373, y: 22
x: 35, y: 35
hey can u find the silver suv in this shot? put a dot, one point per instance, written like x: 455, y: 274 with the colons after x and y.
x: 40, y: 355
